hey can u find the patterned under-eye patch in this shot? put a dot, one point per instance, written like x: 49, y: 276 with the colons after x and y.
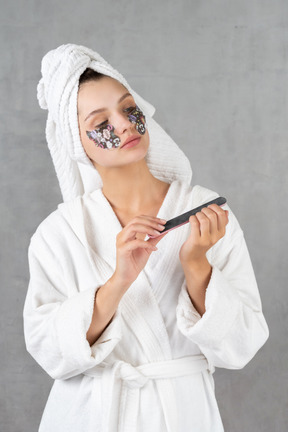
x: 104, y: 136
x: 137, y: 116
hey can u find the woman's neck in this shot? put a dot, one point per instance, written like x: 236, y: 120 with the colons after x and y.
x: 132, y: 188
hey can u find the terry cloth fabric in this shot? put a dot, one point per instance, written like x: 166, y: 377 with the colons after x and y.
x: 57, y: 91
x: 146, y: 371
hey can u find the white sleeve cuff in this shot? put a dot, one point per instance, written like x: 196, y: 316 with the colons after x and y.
x: 222, y: 306
x: 72, y: 322
x: 186, y: 313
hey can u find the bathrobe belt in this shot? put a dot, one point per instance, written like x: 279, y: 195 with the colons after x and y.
x: 135, y: 377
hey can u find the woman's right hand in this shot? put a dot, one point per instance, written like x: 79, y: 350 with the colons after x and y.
x: 133, y: 253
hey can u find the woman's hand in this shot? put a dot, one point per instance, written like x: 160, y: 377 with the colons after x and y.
x: 132, y: 253
x: 207, y: 227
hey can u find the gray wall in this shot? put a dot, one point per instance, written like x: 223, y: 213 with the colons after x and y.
x: 216, y: 72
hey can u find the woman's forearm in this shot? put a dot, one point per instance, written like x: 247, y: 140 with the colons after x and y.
x: 106, y: 302
x: 197, y: 275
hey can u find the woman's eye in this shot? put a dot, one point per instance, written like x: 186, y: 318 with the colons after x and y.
x: 130, y: 109
x: 101, y: 124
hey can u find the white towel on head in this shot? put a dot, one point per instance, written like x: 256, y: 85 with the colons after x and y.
x: 57, y: 91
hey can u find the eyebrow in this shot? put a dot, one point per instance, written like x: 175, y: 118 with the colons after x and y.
x: 105, y: 109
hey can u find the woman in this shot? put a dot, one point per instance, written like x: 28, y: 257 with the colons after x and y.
x: 130, y: 331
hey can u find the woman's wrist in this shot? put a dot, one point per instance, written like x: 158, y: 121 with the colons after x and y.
x: 196, y: 267
x: 118, y: 282
x: 197, y: 275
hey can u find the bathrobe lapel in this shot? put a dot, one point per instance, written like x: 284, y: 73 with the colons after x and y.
x: 97, y: 225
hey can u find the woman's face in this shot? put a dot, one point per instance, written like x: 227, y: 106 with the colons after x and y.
x: 106, y: 110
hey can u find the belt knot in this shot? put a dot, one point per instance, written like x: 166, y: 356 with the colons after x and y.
x: 132, y: 377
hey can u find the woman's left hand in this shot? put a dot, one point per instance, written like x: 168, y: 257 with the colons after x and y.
x: 207, y: 227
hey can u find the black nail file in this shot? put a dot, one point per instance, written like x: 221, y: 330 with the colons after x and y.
x: 184, y: 218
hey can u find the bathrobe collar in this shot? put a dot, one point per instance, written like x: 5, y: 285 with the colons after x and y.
x: 138, y: 305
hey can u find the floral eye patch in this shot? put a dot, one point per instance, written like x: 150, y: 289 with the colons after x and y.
x: 104, y: 136
x: 137, y: 116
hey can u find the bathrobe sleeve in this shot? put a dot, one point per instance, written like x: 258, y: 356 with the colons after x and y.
x: 58, y: 313
x: 233, y: 327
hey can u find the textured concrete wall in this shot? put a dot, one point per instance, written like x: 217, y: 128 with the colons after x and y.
x: 216, y: 71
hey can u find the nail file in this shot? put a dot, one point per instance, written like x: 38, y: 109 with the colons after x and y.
x: 184, y: 218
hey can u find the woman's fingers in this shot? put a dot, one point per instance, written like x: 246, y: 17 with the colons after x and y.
x: 152, y: 218
x: 213, y: 219
x: 142, y: 228
x: 222, y: 216
x: 137, y: 243
x: 205, y: 223
x: 147, y: 218
x: 208, y: 225
x: 156, y: 240
x: 142, y: 224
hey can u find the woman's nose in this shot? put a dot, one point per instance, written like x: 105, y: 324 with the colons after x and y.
x: 121, y: 123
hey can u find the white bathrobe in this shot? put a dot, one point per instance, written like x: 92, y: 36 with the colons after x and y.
x: 151, y: 369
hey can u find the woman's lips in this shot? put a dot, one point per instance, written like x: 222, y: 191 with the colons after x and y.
x: 132, y: 143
